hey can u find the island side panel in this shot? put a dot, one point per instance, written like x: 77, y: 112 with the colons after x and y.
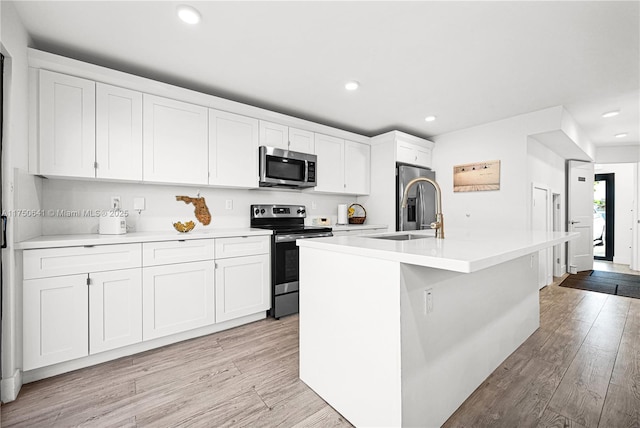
x: 350, y: 334
x: 478, y: 319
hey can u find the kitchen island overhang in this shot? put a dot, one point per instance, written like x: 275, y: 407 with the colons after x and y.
x: 393, y: 337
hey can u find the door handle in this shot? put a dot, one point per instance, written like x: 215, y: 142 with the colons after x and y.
x: 4, y: 231
x: 573, y: 222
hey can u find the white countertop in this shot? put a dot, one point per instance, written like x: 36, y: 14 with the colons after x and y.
x: 55, y: 241
x: 460, y: 251
x: 343, y: 227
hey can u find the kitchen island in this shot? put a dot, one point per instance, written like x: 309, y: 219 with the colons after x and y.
x: 401, y: 332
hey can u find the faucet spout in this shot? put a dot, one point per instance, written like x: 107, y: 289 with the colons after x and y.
x: 438, y: 225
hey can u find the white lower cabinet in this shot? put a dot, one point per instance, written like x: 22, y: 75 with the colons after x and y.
x: 115, y: 309
x: 69, y: 317
x: 243, y: 286
x: 137, y: 292
x: 177, y: 298
x: 55, y: 327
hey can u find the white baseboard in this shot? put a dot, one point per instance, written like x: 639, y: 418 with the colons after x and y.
x: 10, y: 387
x: 622, y: 260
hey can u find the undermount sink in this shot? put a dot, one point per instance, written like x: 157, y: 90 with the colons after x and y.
x: 402, y: 237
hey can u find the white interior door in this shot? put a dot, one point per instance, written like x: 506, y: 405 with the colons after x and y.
x: 540, y: 220
x: 580, y: 215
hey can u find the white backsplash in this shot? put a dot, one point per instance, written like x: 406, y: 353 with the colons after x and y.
x: 69, y: 202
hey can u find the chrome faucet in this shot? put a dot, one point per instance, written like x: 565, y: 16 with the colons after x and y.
x: 438, y: 225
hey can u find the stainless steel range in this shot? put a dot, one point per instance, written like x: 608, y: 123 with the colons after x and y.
x: 287, y: 224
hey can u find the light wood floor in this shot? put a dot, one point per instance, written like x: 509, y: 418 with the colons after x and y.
x: 581, y: 368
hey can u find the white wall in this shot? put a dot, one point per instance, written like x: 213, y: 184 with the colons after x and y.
x: 618, y: 154
x: 505, y: 140
x: 624, y: 204
x: 14, y: 43
x: 162, y: 209
x: 545, y: 168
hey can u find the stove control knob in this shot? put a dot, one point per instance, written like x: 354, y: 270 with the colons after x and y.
x: 262, y: 211
x: 301, y: 211
x: 257, y: 211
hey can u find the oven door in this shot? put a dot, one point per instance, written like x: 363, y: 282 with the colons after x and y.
x: 285, y: 280
x: 286, y: 268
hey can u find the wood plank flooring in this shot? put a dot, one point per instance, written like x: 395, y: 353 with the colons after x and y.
x: 581, y: 368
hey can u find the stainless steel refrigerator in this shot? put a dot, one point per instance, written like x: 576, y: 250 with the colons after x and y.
x: 421, y: 204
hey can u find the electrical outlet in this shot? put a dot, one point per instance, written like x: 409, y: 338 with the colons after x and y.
x: 138, y: 204
x: 228, y: 204
x: 428, y: 301
x: 115, y: 202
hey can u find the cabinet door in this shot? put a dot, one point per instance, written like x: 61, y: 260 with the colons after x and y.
x: 330, y: 167
x: 233, y: 150
x: 424, y: 156
x: 176, y: 298
x: 67, y: 125
x: 301, y: 141
x: 55, y: 314
x: 175, y: 141
x: 115, y: 309
x: 413, y: 154
x: 118, y: 133
x: 274, y: 135
x: 242, y: 286
x: 357, y: 168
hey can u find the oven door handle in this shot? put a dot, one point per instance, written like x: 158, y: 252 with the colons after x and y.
x: 293, y: 236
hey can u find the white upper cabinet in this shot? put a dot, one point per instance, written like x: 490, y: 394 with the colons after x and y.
x: 286, y: 138
x: 81, y: 128
x: 175, y: 141
x: 414, y: 154
x: 118, y: 133
x: 233, y: 150
x: 301, y: 140
x: 67, y: 125
x: 274, y: 135
x: 330, y: 167
x: 343, y: 166
x: 357, y: 168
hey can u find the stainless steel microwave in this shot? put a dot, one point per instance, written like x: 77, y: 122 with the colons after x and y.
x: 286, y: 168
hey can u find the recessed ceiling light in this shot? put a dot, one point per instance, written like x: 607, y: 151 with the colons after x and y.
x: 430, y: 118
x: 611, y: 113
x: 621, y: 135
x: 188, y: 14
x: 352, y: 85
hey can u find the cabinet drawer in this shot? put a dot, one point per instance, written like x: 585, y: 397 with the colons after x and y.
x: 242, y: 246
x: 73, y: 260
x: 168, y: 252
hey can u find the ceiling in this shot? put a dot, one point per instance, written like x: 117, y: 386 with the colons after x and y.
x: 467, y: 63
